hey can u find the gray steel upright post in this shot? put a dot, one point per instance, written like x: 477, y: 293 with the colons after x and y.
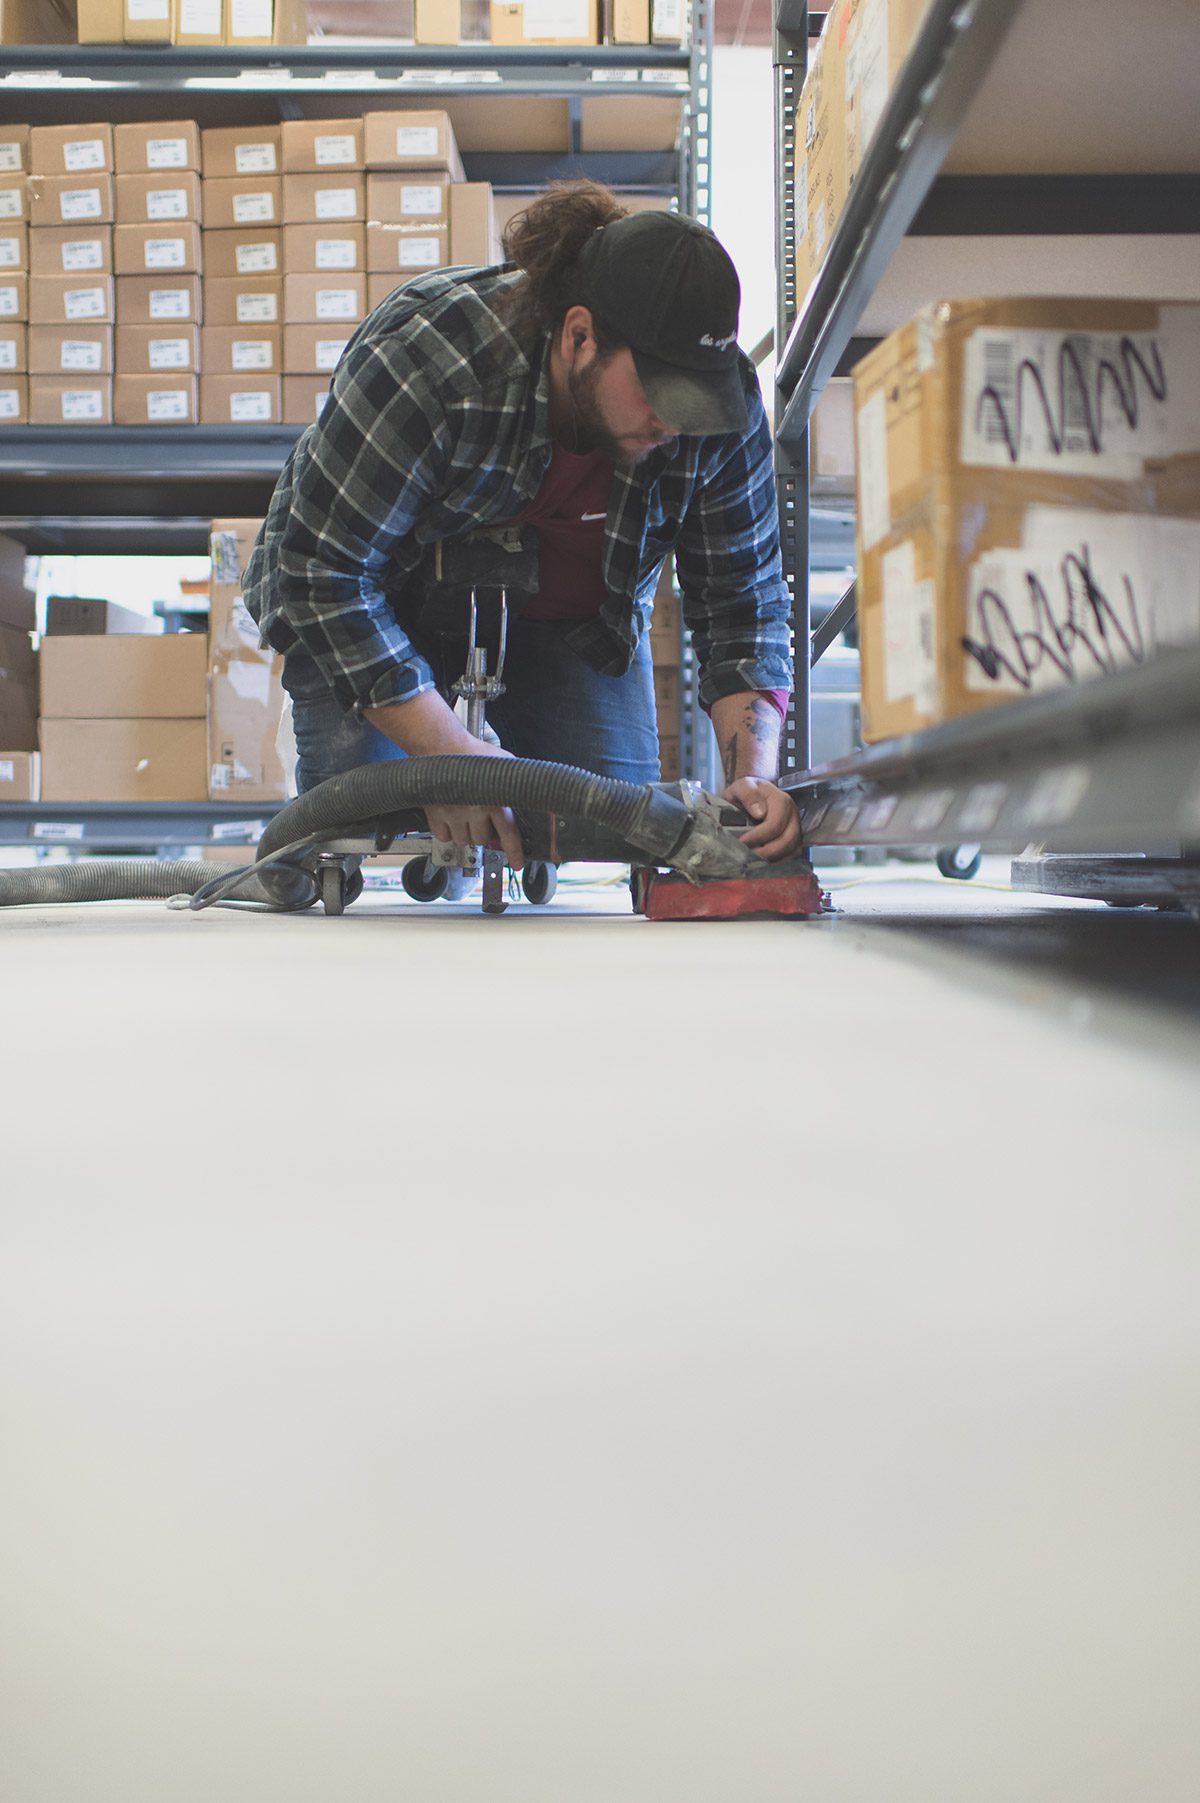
x: 791, y: 461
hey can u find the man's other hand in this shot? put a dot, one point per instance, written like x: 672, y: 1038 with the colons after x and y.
x: 776, y: 830
x: 479, y: 825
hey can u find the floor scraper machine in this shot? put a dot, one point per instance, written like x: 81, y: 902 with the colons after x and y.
x: 682, y: 844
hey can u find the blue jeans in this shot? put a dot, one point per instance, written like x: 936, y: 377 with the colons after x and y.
x: 555, y: 707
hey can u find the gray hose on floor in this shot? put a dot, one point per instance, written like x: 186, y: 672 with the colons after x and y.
x: 105, y: 879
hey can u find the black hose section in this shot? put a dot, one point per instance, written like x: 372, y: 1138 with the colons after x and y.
x: 105, y: 879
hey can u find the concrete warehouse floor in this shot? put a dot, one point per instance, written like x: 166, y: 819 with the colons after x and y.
x: 565, y: 1359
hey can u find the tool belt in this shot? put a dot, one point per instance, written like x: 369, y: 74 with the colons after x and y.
x: 485, y: 563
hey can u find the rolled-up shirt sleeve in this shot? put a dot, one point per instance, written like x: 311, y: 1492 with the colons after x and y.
x: 735, y: 600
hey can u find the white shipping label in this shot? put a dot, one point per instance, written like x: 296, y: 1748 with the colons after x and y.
x: 251, y: 19
x: 10, y: 403
x: 336, y: 253
x: 557, y: 19
x: 80, y: 203
x: 10, y: 253
x: 421, y: 202
x: 170, y: 353
x: 874, y: 495
x: 168, y: 153
x: 254, y: 209
x: 336, y: 203
x: 252, y: 353
x: 85, y: 153
x: 334, y: 150
x: 255, y: 159
x: 166, y: 253
x: 668, y: 18
x: 167, y: 203
x: 329, y: 352
x: 250, y: 406
x: 170, y: 303
x: 83, y: 253
x: 9, y: 304
x: 148, y: 11
x: 908, y: 631
x: 871, y: 68
x: 416, y: 140
x: 83, y: 403
x: 200, y: 18
x: 84, y: 303
x: 10, y: 159
x: 8, y: 353
x: 79, y: 353
x: 1087, y: 593
x: 10, y: 203
x: 256, y: 309
x: 256, y: 259
x: 8, y: 771
x: 167, y: 403
x: 337, y: 303
x: 419, y: 253
x: 57, y: 829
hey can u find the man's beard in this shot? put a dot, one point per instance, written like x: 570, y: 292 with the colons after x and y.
x: 590, y: 431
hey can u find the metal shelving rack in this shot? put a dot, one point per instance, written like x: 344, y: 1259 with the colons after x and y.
x: 1113, y: 765
x: 123, y: 490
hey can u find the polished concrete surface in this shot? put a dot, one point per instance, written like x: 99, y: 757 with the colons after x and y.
x: 567, y: 1359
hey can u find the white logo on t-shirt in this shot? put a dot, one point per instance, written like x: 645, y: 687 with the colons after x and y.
x: 591, y: 516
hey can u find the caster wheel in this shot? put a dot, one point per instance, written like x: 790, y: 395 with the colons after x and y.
x: 424, y: 880
x: 333, y: 889
x: 961, y: 862
x: 539, y: 881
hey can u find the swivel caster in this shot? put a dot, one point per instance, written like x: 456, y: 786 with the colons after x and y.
x: 961, y: 862
x: 424, y: 880
x: 539, y: 881
x: 339, y: 887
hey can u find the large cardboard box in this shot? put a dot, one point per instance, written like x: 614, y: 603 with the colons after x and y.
x: 228, y: 150
x: 18, y: 720
x: 14, y: 246
x: 14, y: 400
x: 101, y: 21
x: 14, y: 350
x: 250, y: 252
x: 71, y: 149
x: 240, y: 400
x: 412, y: 140
x: 1025, y: 473
x: 242, y: 202
x: 159, y: 400
x: 312, y: 249
x: 242, y: 350
x: 304, y: 399
x: 76, y: 616
x: 248, y: 300
x: 324, y: 197
x: 14, y: 197
x: 20, y: 776
x: 545, y: 22
x: 877, y: 37
x: 474, y: 238
x: 245, y: 690
x: 155, y: 249
x: 71, y: 300
x: 408, y: 199
x: 71, y: 250
x: 159, y: 300
x: 313, y: 350
x: 124, y: 760
x: 822, y: 181
x: 321, y: 146
x: 198, y: 22
x: 322, y: 299
x: 70, y: 400
x: 72, y: 199
x: 163, y: 147
x: 14, y: 149
x: 407, y: 249
x: 125, y: 676
x: 71, y: 350
x: 149, y: 199
x: 14, y: 298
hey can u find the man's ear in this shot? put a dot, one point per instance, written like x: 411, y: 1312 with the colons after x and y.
x: 577, y: 332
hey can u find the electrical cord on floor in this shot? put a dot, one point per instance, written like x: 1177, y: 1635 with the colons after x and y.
x: 214, y: 893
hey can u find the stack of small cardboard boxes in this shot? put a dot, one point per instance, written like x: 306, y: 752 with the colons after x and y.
x: 242, y: 348
x: 156, y: 255
x: 14, y: 275
x: 72, y: 294
x: 666, y: 646
x: 18, y: 679
x: 192, y: 21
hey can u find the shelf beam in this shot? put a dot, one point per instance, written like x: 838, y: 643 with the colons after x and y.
x: 134, y: 825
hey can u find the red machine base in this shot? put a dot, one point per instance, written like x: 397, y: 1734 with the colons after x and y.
x: 790, y: 890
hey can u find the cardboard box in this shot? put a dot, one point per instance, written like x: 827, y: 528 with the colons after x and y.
x: 157, y: 198
x: 100, y: 21
x: 323, y: 299
x: 242, y: 202
x: 412, y: 140
x: 158, y: 350
x: 438, y: 22
x: 517, y: 22
x: 877, y: 36
x: 474, y: 238
x: 159, y: 300
x: 313, y: 249
x: 314, y: 350
x: 229, y: 150
x: 407, y: 249
x: 325, y: 198
x: 668, y: 690
x: 14, y: 198
x: 383, y: 283
x: 304, y: 399
x: 71, y: 200
x: 627, y: 21
x: 198, y: 22
x: 147, y: 21
x: 37, y: 22
x: 238, y: 253
x: 831, y: 440
x: 14, y: 351
x: 124, y: 760
x: 74, y: 616
x: 245, y: 688
x: 71, y: 300
x: 822, y: 180
x: 76, y: 350
x: 321, y: 146
x: 71, y: 250
x: 71, y: 149
x: 168, y: 248
x: 14, y: 400
x: 249, y: 300
x: 408, y: 199
x: 20, y: 776
x: 14, y: 247
x: 1008, y: 544
x: 14, y: 299
x: 164, y: 147
x: 70, y: 400
x: 668, y: 22
x: 14, y: 149
x: 258, y: 22
x: 125, y: 676
x: 243, y: 350
x: 160, y: 400
x: 240, y: 400
x: 18, y: 669
x: 17, y: 600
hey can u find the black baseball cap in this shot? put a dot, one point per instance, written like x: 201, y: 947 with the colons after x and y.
x: 663, y: 284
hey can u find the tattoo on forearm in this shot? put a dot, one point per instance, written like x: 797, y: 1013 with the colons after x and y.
x: 730, y: 759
